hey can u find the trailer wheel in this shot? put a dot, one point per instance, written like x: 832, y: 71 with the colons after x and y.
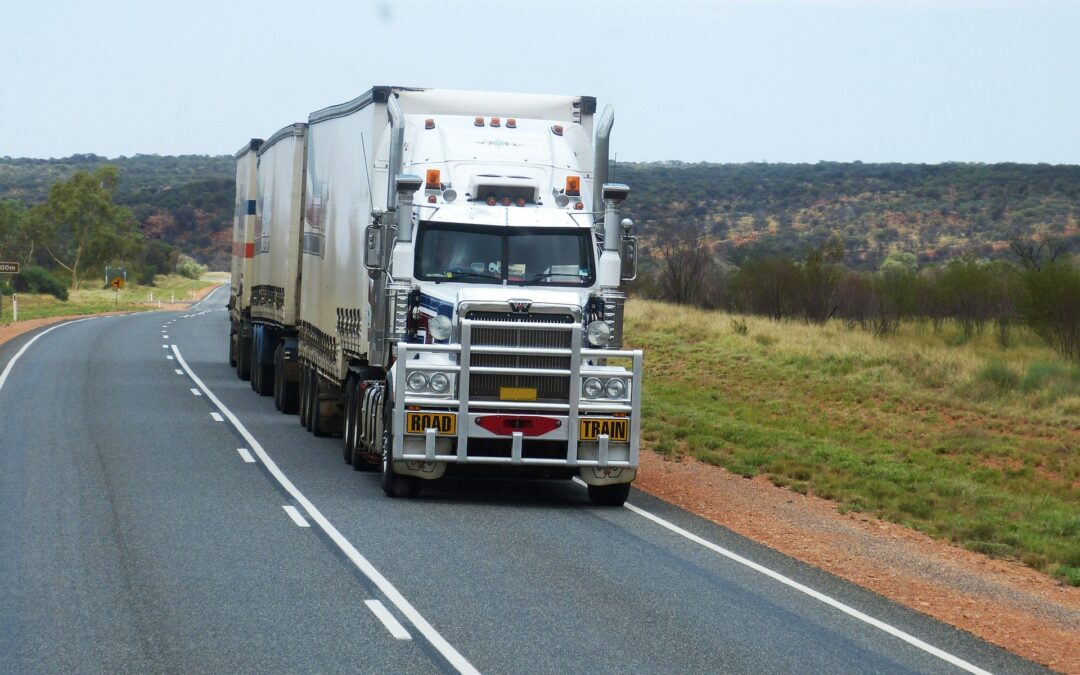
x: 243, y: 358
x: 312, y: 398
x: 304, y: 396
x: 393, y: 485
x: 253, y: 361
x: 279, y: 377
x: 609, y: 495
x: 232, y: 348
x: 262, y: 375
x: 348, y: 437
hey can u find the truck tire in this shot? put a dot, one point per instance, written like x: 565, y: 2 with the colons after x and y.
x: 253, y: 361
x: 609, y: 495
x: 243, y: 358
x: 319, y: 423
x: 232, y: 348
x: 393, y: 485
x: 348, y: 435
x: 262, y: 375
x: 304, y: 381
x: 279, y: 379
x: 361, y: 457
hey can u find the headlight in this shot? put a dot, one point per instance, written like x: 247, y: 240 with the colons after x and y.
x: 439, y: 327
x: 417, y: 381
x: 598, y: 333
x: 592, y: 387
x: 615, y: 388
x: 439, y: 383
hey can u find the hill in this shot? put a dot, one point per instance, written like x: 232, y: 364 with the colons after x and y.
x: 936, y: 211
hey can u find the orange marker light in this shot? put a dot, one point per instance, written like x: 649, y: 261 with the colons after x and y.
x: 521, y: 201
x: 573, y: 186
x: 506, y: 201
x: 511, y: 123
x: 495, y: 122
x: 431, y: 199
x: 556, y: 129
x: 429, y: 123
x: 578, y: 206
x: 491, y: 201
x: 432, y: 181
x: 478, y: 121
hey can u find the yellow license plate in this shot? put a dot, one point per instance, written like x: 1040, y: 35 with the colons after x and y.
x: 420, y: 422
x: 517, y: 393
x: 616, y: 428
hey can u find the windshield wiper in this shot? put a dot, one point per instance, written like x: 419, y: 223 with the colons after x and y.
x: 453, y: 274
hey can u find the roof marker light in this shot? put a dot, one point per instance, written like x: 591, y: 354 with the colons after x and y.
x: 579, y: 206
x: 511, y: 123
x: 429, y: 123
x: 478, y: 121
x: 520, y: 201
x: 506, y: 201
x: 495, y: 122
x: 431, y: 199
x: 491, y: 200
x: 557, y: 129
x: 573, y: 186
x: 433, y: 182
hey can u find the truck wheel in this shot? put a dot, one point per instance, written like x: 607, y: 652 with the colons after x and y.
x: 393, y: 485
x: 262, y: 375
x: 243, y: 358
x: 279, y: 377
x: 232, y: 349
x: 253, y: 360
x: 609, y: 495
x: 303, y: 396
x: 348, y: 436
x: 290, y: 396
x: 361, y: 456
x: 318, y: 422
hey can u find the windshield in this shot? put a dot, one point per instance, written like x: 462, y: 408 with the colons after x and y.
x: 516, y: 256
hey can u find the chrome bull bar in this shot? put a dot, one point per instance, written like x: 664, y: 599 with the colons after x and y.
x: 460, y: 404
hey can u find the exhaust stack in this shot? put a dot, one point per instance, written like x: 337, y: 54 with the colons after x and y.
x: 600, y: 157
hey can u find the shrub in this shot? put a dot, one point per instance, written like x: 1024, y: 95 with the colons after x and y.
x: 999, y: 375
x: 1050, y: 305
x: 38, y: 280
x: 187, y: 267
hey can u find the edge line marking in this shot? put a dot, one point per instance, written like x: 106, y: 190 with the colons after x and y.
x: 388, y: 620
x: 11, y: 363
x: 295, y: 516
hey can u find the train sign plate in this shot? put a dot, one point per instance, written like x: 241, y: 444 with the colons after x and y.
x: 420, y: 422
x: 9, y: 268
x: 616, y: 428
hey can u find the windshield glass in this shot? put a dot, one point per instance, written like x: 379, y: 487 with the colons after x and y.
x: 516, y: 256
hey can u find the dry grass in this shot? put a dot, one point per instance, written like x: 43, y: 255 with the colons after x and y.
x: 132, y: 297
x: 962, y: 439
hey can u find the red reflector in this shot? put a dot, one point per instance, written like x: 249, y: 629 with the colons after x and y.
x: 506, y: 425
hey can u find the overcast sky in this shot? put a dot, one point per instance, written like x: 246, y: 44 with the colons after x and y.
x: 723, y: 81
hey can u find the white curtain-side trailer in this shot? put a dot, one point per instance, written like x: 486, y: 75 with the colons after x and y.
x: 460, y: 275
x: 242, y: 253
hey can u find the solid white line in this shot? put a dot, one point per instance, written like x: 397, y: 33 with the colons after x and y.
x: 217, y: 417
x: 179, y: 372
x: 384, y: 615
x: 295, y: 515
x: 208, y: 296
x: 245, y: 455
x: 196, y: 391
x: 817, y: 595
x: 392, y: 594
x: 11, y: 363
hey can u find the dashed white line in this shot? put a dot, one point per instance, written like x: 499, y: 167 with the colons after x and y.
x: 217, y: 417
x: 164, y: 337
x: 196, y: 391
x: 384, y: 615
x: 245, y: 455
x: 817, y: 595
x: 295, y: 515
x: 452, y: 656
x: 179, y: 372
x: 165, y: 346
x: 169, y: 356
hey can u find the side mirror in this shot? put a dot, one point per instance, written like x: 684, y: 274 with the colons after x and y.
x: 373, y: 247
x: 628, y: 257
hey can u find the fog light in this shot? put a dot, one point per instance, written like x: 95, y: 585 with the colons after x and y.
x: 439, y: 383
x: 615, y: 388
x: 592, y: 387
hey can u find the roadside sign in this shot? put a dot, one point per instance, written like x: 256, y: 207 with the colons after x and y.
x: 9, y: 268
x: 117, y: 283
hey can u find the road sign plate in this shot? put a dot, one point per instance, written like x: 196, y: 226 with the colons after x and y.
x: 117, y: 283
x: 9, y: 268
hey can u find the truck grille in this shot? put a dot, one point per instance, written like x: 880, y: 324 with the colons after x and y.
x: 550, y: 388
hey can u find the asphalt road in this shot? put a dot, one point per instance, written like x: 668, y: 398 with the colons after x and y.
x: 136, y: 537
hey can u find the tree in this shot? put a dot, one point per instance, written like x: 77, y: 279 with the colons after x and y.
x: 12, y: 214
x: 81, y: 228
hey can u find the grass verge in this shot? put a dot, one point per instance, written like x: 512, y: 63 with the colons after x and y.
x: 133, y: 297
x: 961, y: 439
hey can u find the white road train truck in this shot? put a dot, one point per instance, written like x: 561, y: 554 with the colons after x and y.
x: 242, y: 253
x: 461, y: 259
